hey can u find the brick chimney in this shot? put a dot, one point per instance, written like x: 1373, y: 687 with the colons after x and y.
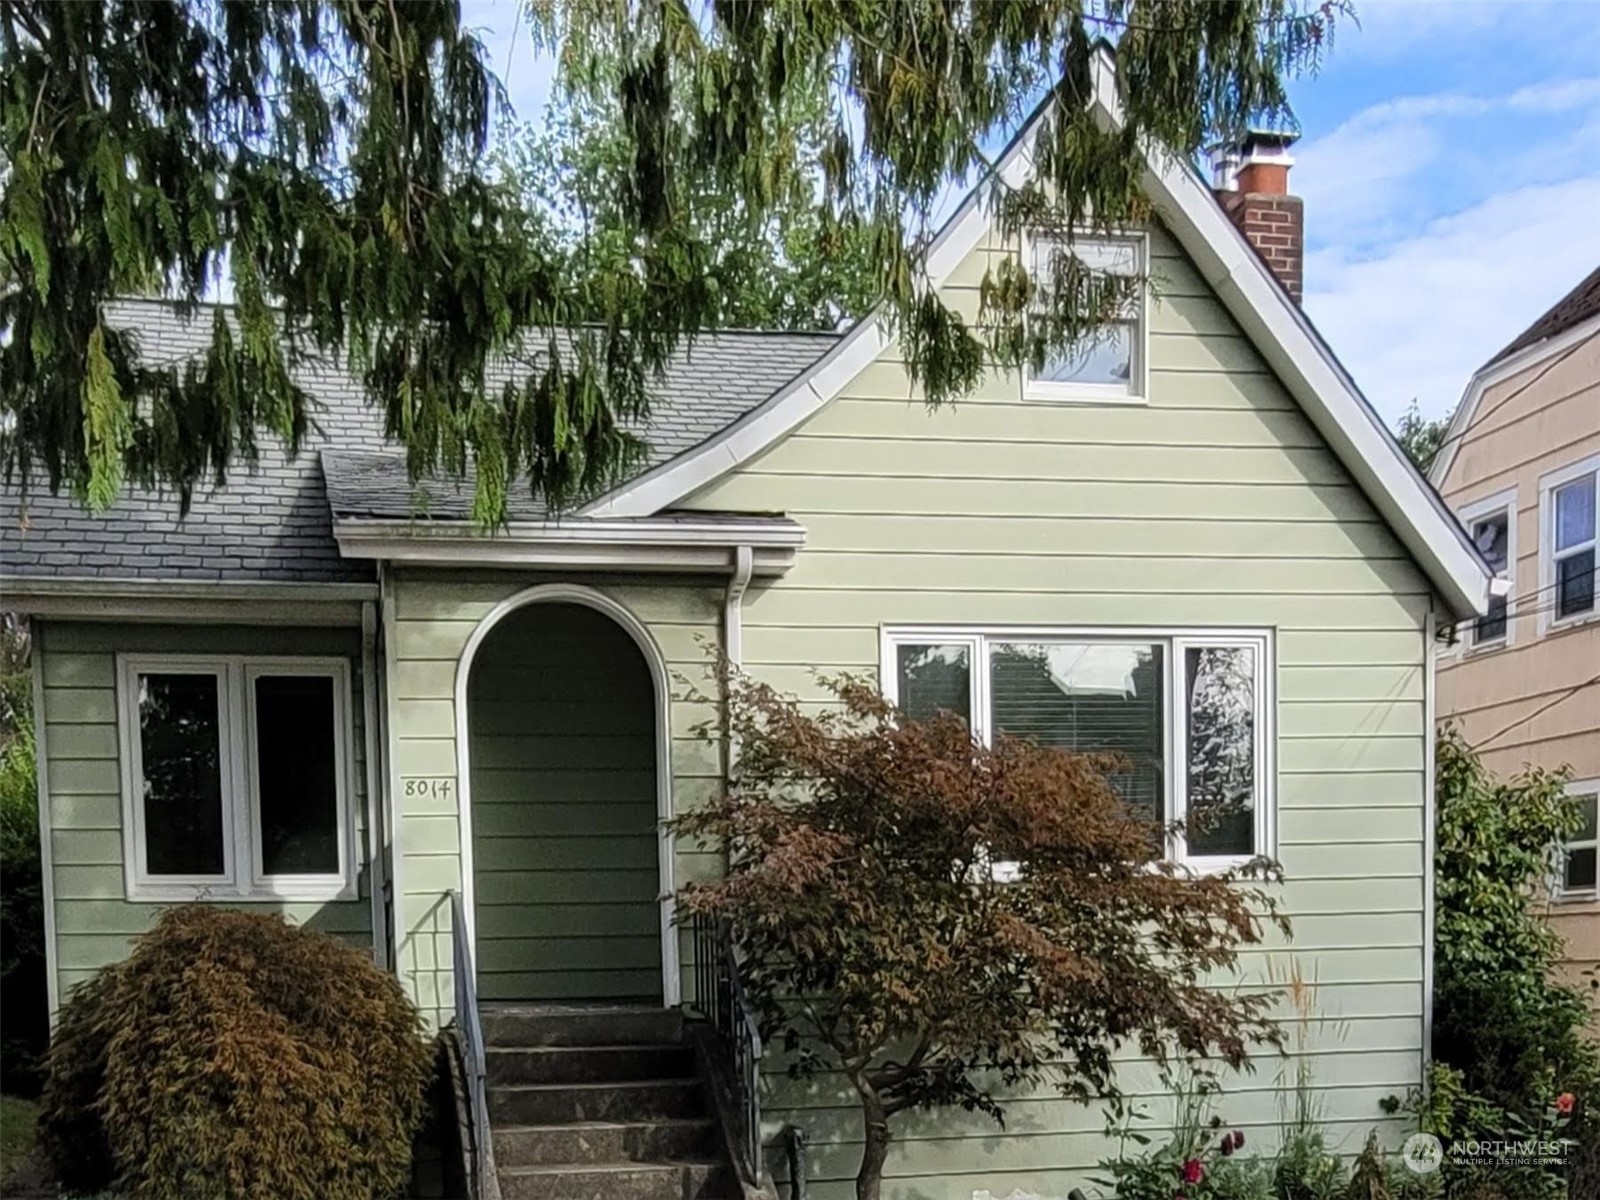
x: 1252, y: 182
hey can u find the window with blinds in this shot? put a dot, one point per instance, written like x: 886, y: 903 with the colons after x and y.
x: 1186, y: 713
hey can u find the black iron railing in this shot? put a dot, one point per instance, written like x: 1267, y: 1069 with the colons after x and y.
x: 720, y: 998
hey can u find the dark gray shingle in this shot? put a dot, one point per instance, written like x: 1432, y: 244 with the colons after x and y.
x: 273, y: 523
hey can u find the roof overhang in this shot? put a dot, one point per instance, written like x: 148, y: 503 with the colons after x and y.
x: 1279, y: 330
x: 1496, y: 373
x: 187, y: 601
x: 676, y: 545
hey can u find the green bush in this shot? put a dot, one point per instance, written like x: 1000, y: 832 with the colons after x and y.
x: 235, y: 1055
x: 23, y: 995
x: 1508, y: 1037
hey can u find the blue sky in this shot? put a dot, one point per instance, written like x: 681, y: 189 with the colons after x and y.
x: 1450, y: 167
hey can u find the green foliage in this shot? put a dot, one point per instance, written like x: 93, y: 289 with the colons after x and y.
x: 235, y: 1055
x: 780, y: 270
x: 23, y: 994
x: 1420, y: 437
x: 862, y: 849
x: 328, y: 157
x: 1508, y: 1037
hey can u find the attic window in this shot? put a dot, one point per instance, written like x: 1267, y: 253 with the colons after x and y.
x: 1569, y: 538
x: 1109, y: 364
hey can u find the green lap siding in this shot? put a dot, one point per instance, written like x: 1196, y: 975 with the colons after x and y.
x: 95, y: 923
x: 568, y: 887
x: 561, y: 713
x: 1217, y: 503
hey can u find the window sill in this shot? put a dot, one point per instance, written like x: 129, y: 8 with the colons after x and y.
x: 1555, y: 627
x: 155, y: 893
x: 1065, y: 393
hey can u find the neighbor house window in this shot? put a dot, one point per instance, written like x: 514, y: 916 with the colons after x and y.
x: 1578, y: 873
x: 1108, y: 364
x: 1187, y: 713
x: 236, y: 777
x: 1570, y: 533
x: 1492, y: 524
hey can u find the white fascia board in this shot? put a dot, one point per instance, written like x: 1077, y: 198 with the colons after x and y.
x: 631, y: 545
x: 187, y: 601
x: 1496, y: 373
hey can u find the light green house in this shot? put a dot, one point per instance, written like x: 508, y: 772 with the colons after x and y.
x: 321, y: 695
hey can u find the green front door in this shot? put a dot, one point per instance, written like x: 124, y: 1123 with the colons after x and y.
x: 561, y: 716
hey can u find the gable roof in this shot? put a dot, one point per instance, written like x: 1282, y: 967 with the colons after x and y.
x: 1568, y: 322
x: 275, y: 524
x: 1230, y: 265
x: 1581, y: 303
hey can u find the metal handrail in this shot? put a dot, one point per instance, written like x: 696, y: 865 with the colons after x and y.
x: 719, y: 997
x: 469, y: 1029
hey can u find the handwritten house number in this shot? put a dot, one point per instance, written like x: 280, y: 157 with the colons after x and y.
x: 429, y: 787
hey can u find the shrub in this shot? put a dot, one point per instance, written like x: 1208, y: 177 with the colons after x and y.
x: 235, y: 1055
x: 23, y: 993
x: 1508, y: 1036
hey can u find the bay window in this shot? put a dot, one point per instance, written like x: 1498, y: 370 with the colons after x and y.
x: 1187, y: 712
x: 236, y: 777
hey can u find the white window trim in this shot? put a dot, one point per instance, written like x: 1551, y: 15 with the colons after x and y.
x: 1469, y: 515
x: 1578, y: 787
x: 243, y: 878
x: 1174, y: 767
x: 1548, y: 486
x: 1138, y: 389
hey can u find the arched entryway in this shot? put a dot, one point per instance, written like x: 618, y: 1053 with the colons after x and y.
x: 564, y: 712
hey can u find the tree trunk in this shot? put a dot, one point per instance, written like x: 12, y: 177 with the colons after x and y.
x: 875, y: 1121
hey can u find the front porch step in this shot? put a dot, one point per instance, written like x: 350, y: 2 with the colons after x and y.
x: 612, y: 1142
x: 528, y: 1026
x: 554, y: 1104
x: 588, y: 1064
x: 620, y: 1181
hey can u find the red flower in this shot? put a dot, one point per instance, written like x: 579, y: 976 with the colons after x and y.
x: 1193, y: 1172
x: 1564, y: 1102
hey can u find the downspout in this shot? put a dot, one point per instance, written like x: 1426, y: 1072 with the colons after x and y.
x: 47, y: 874
x: 391, y: 788
x: 1430, y: 816
x: 733, y: 642
x: 372, y: 717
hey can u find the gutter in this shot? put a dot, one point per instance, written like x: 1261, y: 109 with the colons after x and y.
x: 188, y: 600
x: 733, y: 644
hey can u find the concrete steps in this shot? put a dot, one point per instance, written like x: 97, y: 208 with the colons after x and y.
x: 591, y: 1103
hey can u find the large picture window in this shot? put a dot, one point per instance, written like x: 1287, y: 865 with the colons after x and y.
x: 236, y: 777
x: 1187, y: 712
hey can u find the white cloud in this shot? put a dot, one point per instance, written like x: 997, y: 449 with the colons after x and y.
x: 1366, y: 180
x: 1418, y: 318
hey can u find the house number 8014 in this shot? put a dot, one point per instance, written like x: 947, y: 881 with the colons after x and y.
x: 429, y: 787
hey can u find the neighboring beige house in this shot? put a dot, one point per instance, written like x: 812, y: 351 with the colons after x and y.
x: 1521, y: 467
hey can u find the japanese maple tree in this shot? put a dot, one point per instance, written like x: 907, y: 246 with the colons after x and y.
x: 943, y: 922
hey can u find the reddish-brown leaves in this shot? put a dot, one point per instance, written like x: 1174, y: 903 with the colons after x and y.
x: 879, y: 941
x: 234, y: 1055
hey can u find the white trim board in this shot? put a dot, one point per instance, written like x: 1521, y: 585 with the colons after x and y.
x: 1277, y: 328
x: 1497, y: 373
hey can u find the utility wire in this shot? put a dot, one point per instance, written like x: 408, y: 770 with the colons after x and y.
x: 1505, y: 400
x: 1540, y: 711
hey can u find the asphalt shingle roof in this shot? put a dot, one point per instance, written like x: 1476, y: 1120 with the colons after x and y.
x: 1577, y: 306
x: 274, y: 523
